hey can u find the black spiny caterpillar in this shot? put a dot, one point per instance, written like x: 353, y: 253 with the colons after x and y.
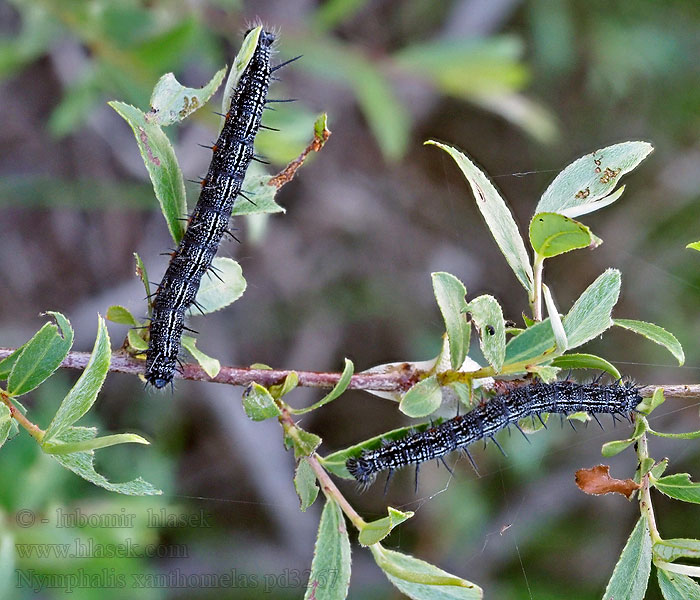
x: 233, y: 152
x: 487, y: 419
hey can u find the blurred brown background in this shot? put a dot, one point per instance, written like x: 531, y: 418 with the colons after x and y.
x: 524, y: 87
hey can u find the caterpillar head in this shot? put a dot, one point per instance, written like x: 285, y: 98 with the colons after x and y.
x: 361, y: 469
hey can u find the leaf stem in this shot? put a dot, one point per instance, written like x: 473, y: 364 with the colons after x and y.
x: 645, y: 505
x: 34, y: 430
x: 536, y: 302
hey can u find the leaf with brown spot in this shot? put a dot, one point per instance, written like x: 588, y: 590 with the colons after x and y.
x: 598, y: 481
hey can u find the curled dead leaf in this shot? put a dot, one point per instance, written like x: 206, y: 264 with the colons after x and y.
x: 597, y: 481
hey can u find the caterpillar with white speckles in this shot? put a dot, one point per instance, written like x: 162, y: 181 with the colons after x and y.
x: 233, y: 152
x: 487, y: 419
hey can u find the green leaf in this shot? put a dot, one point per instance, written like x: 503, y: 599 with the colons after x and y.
x: 5, y: 423
x: 655, y: 334
x: 590, y: 314
x: 673, y: 549
x: 560, y: 338
x: 552, y: 234
x: 421, y: 580
x: 51, y: 447
x: 649, y: 404
x: 658, y: 469
x: 631, y: 575
x: 163, y: 169
x: 335, y: 462
x: 291, y: 381
x: 422, y: 399
x: 121, y: 315
x: 450, y: 293
x: 336, y: 392
x: 330, y: 568
x: 376, y: 531
x: 535, y: 344
x: 258, y: 188
x: 136, y: 341
x: 321, y: 131
x: 40, y: 356
x: 244, y: 56
x: 546, y: 373
x: 172, y: 102
x: 303, y: 442
x: 81, y: 463
x: 215, y: 292
x: 497, y: 216
x: 694, y: 246
x: 305, y: 484
x: 84, y: 393
x: 259, y: 404
x: 592, y: 177
x: 488, y: 317
x: 211, y: 366
x: 586, y: 361
x: 613, y: 448
x: 675, y: 586
x: 679, y: 486
x: 8, y: 362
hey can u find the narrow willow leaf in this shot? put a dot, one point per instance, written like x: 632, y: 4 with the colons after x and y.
x: 590, y: 314
x: 586, y: 361
x: 694, y: 246
x: 546, y: 373
x: 83, y: 394
x: 82, y: 464
x: 675, y: 586
x: 422, y: 399
x: 330, y: 568
x: 106, y: 441
x: 258, y: 403
x: 211, y: 366
x: 679, y: 486
x: 136, y: 342
x: 592, y: 176
x: 172, y: 102
x: 421, y: 580
x: 40, y: 356
x: 221, y: 288
x: 142, y: 274
x: 303, y: 442
x: 673, y: 549
x: 655, y: 334
x: 8, y: 362
x: 535, y: 344
x: 497, y: 216
x: 487, y: 315
x: 450, y: 295
x: 336, y: 392
x: 647, y: 405
x: 584, y: 209
x: 240, y: 62
x: 376, y: 531
x: 291, y: 381
x: 258, y: 188
x: 552, y: 234
x: 631, y: 575
x: 305, y: 484
x: 613, y: 448
x: 555, y: 320
x: 163, y: 169
x: 121, y: 315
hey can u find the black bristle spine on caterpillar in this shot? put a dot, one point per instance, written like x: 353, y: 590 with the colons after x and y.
x: 487, y: 419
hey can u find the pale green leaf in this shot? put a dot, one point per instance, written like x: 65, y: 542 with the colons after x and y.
x: 330, y: 568
x: 655, y: 334
x: 211, y: 366
x: 258, y: 403
x: 163, y: 169
x: 52, y: 447
x: 592, y: 176
x: 83, y: 394
x: 497, y: 216
x: 376, y: 531
x: 172, y: 102
x: 336, y: 392
x: 121, y: 315
x: 631, y: 575
x: 487, y: 315
x: 422, y: 399
x: 675, y: 586
x: 450, y: 295
x: 679, y: 486
x: 586, y: 361
x: 40, y: 356
x: 552, y: 234
x: 305, y: 484
x: 221, y: 287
